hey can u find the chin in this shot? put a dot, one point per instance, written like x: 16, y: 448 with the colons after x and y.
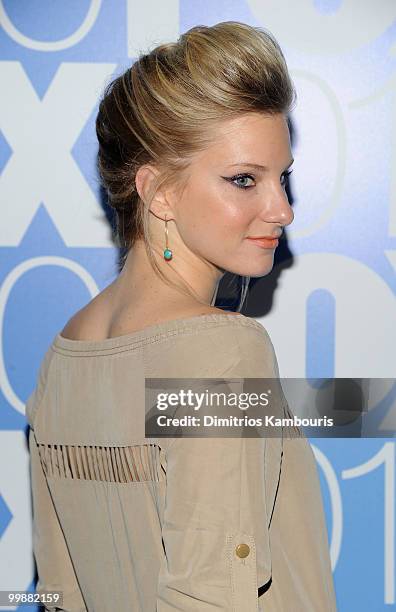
x: 259, y: 274
x: 252, y: 272
x: 255, y: 268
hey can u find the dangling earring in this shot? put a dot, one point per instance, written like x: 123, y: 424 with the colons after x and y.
x: 167, y: 252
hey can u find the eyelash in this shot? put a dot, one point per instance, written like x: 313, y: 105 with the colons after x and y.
x: 243, y: 175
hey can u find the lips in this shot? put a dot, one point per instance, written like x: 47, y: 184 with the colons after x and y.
x: 267, y: 243
x: 274, y: 237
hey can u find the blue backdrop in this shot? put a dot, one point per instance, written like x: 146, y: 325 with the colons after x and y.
x: 333, y: 312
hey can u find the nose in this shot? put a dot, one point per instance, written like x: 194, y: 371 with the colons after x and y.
x: 277, y: 209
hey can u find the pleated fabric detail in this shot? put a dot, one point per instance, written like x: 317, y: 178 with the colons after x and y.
x: 138, y: 463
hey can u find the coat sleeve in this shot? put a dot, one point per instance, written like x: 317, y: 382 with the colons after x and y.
x: 215, y: 528
x: 54, y: 566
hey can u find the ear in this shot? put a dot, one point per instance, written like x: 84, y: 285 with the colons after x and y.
x: 145, y: 182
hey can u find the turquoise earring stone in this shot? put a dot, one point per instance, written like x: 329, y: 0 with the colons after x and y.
x: 167, y: 254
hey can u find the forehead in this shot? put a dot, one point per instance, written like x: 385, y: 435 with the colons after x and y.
x: 257, y: 136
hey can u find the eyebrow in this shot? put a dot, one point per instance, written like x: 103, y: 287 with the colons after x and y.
x: 258, y: 166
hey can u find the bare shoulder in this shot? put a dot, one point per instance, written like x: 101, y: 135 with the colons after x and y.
x: 87, y: 323
x: 76, y: 327
x: 95, y: 320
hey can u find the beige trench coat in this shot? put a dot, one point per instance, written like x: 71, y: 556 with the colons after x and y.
x: 128, y: 523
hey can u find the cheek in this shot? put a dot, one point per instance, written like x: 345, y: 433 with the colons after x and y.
x: 231, y: 217
x: 213, y: 214
x: 217, y: 208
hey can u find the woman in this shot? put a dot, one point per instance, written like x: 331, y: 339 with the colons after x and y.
x: 194, y: 153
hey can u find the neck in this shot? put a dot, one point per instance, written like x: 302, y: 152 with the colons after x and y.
x: 139, y: 286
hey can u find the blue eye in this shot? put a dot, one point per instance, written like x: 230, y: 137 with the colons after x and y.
x: 244, y: 176
x: 238, y: 177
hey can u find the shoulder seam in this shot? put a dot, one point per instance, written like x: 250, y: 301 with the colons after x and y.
x: 38, y: 397
x: 162, y: 336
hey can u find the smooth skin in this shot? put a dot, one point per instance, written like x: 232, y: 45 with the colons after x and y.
x: 223, y: 201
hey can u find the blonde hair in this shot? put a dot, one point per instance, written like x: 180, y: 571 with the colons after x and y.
x: 166, y: 106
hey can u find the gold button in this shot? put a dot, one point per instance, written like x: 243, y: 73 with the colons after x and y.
x: 242, y: 550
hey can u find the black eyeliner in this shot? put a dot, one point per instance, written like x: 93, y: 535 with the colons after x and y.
x: 237, y: 176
